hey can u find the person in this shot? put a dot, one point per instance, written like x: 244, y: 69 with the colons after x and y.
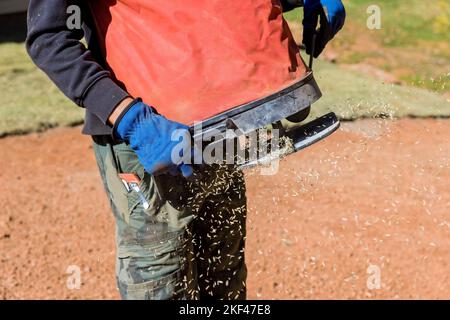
x: 150, y: 68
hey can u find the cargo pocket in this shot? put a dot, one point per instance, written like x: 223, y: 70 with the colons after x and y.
x: 166, y: 208
x: 117, y: 192
x: 153, y: 271
x: 166, y: 197
x: 148, y: 193
x: 166, y: 288
x: 127, y: 162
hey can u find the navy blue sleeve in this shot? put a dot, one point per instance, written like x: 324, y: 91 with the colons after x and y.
x: 57, y: 50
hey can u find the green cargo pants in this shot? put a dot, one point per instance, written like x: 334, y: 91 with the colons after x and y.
x: 189, y: 243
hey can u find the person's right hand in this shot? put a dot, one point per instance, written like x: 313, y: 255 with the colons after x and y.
x: 150, y: 135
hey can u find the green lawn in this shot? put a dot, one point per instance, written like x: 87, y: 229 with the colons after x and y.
x: 353, y: 95
x: 413, y: 42
x: 29, y: 100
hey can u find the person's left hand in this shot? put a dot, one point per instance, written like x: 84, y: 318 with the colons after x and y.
x: 332, y: 19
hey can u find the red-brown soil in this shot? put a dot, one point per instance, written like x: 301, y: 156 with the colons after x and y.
x: 375, y: 193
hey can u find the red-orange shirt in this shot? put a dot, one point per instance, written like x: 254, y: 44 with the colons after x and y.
x: 191, y: 59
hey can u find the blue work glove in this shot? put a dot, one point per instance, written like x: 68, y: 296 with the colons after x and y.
x: 332, y: 18
x: 150, y: 136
